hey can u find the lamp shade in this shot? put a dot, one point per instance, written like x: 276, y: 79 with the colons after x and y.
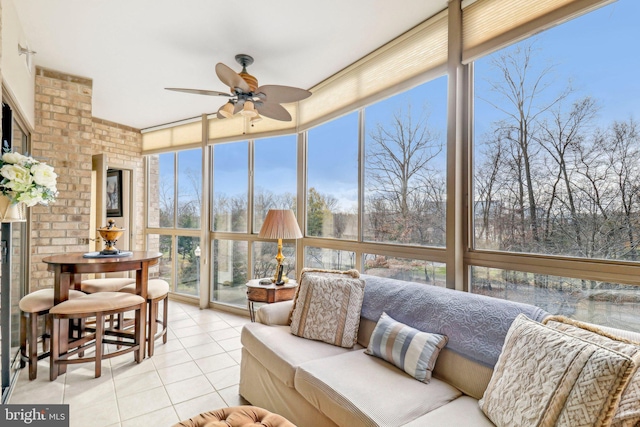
x: 280, y: 224
x: 249, y: 110
x: 226, y: 110
x: 255, y: 119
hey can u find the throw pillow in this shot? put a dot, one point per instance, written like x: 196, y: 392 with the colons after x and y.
x: 327, y: 307
x: 409, y: 349
x: 628, y: 412
x: 545, y: 377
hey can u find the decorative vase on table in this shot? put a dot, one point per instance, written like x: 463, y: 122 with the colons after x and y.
x: 25, y: 182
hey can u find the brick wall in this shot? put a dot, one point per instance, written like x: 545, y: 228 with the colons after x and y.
x: 66, y: 135
x: 62, y: 138
x: 123, y: 147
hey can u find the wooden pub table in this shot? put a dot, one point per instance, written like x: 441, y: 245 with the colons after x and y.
x: 68, y: 270
x: 268, y: 293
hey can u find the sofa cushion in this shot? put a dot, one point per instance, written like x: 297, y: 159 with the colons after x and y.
x: 354, y: 389
x: 407, y: 348
x: 327, y: 307
x: 546, y: 377
x: 463, y: 411
x: 628, y: 411
x: 475, y: 324
x: 468, y: 376
x: 281, y: 352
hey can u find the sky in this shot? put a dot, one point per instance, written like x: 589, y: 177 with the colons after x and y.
x: 597, y: 52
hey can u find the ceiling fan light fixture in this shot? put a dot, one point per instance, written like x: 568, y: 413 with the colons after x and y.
x: 226, y: 110
x: 256, y: 118
x: 249, y: 110
x: 245, y: 92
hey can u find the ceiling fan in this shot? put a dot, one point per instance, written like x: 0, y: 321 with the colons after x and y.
x: 247, y: 98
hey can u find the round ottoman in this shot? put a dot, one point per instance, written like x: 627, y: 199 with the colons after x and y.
x: 237, y: 416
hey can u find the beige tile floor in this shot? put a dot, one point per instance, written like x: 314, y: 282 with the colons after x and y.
x: 197, y: 370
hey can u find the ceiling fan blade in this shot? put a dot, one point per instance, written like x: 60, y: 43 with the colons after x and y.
x: 198, y: 91
x: 238, y: 106
x: 273, y: 111
x: 231, y: 78
x: 279, y: 94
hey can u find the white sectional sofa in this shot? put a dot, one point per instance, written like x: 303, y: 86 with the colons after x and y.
x: 315, y: 384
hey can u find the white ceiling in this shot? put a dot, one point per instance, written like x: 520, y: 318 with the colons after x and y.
x: 133, y: 49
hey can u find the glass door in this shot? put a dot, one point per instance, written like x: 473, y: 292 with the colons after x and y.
x: 14, y: 138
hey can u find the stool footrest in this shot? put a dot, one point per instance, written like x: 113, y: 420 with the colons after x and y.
x: 65, y: 357
x: 116, y: 342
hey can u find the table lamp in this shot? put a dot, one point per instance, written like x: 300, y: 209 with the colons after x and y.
x: 280, y: 224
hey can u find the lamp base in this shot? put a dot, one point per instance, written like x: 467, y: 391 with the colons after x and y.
x: 282, y: 281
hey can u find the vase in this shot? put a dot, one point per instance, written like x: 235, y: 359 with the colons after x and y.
x: 12, y: 212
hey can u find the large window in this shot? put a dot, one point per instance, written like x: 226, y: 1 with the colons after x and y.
x: 332, y: 179
x: 189, y: 188
x: 587, y: 300
x: 274, y: 176
x: 230, y: 271
x: 164, y: 245
x: 174, y: 189
x: 330, y: 259
x: 557, y: 143
x: 230, y: 186
x: 412, y: 270
x: 267, y: 169
x: 557, y: 149
x: 405, y: 167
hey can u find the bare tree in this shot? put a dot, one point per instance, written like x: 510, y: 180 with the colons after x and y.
x: 624, y: 157
x: 561, y: 136
x: 399, y: 160
x: 521, y: 97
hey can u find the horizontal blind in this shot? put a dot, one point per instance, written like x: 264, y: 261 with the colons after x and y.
x: 488, y: 25
x: 414, y: 53
x: 400, y: 64
x: 175, y: 137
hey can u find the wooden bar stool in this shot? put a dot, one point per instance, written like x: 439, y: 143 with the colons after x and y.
x: 157, y: 290
x: 109, y: 284
x: 34, y: 305
x: 98, y: 305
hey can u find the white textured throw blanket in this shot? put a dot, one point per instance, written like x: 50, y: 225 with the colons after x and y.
x: 475, y: 325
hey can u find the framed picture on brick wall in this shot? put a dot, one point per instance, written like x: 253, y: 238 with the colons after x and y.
x: 114, y: 193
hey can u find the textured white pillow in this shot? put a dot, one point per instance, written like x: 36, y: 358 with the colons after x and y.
x: 327, y: 307
x: 628, y: 412
x: 545, y: 377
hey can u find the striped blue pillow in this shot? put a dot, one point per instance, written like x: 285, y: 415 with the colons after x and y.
x: 409, y: 349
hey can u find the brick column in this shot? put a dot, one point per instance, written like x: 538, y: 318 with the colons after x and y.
x: 63, y: 139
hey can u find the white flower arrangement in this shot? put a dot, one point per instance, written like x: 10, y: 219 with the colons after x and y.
x: 26, y: 180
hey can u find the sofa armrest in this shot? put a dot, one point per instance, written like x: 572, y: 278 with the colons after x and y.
x: 274, y: 314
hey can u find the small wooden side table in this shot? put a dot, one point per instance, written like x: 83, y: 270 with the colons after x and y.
x: 268, y: 293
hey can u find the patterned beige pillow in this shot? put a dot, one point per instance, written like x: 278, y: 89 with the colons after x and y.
x: 628, y: 412
x: 327, y: 307
x: 545, y: 377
